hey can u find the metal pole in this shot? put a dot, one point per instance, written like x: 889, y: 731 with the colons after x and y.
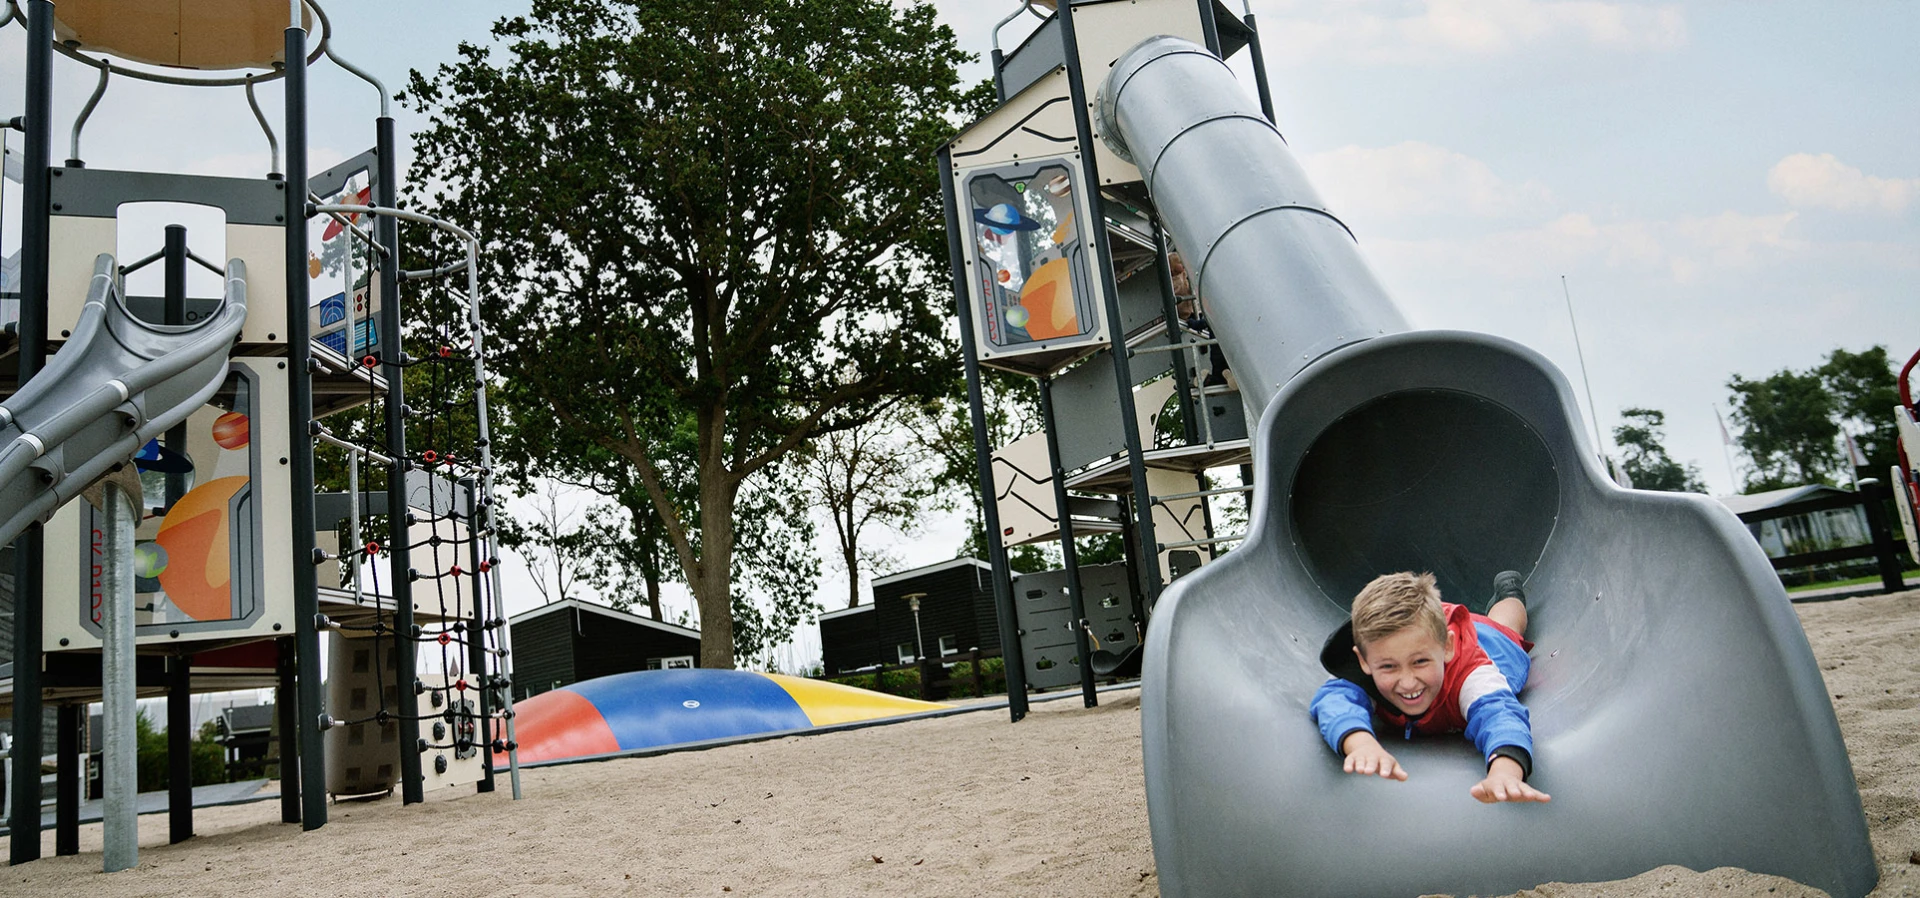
x: 399, y: 558
x: 306, y: 587
x: 1177, y: 335
x: 919, y: 644
x: 1599, y: 445
x: 119, y: 756
x: 24, y: 843
x: 477, y: 642
x: 1012, y: 658
x: 179, y: 749
x: 1259, y: 69
x: 1069, y: 553
x: 66, y: 827
x: 286, y: 702
x: 1147, y: 590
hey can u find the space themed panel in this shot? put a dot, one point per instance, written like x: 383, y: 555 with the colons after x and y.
x: 1029, y: 261
x: 204, y: 546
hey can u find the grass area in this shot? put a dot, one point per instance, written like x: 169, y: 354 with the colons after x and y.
x: 1856, y: 581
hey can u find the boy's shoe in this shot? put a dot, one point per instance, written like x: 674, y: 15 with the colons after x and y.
x: 1506, y: 585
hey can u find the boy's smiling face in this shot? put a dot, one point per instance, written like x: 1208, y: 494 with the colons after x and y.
x: 1408, y: 667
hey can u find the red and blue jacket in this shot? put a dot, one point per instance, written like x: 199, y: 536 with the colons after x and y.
x: 1478, y: 693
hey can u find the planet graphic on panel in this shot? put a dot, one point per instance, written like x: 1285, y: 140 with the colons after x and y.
x: 149, y: 559
x: 1018, y: 316
x: 230, y: 430
x: 1048, y: 299
x: 1004, y: 218
x: 195, y: 544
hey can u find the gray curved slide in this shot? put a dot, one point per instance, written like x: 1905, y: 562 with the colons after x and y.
x: 116, y: 383
x: 1678, y: 714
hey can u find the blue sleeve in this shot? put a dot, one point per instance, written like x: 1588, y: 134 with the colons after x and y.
x: 1341, y: 708
x: 1498, y: 721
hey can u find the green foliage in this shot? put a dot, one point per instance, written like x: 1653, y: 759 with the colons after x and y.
x: 712, y: 233
x: 1864, y: 394
x: 208, y: 756
x: 1791, y: 421
x: 1640, y: 437
x: 906, y: 683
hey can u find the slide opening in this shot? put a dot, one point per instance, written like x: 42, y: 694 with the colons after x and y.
x: 1424, y: 480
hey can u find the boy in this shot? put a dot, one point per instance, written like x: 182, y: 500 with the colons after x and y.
x: 1431, y: 667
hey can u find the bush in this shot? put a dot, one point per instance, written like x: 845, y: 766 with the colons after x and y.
x: 209, y: 757
x: 906, y: 682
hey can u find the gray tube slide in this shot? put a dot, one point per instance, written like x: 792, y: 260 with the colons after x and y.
x: 1678, y: 714
x: 116, y: 383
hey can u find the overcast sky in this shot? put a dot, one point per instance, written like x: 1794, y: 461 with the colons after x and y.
x: 1728, y: 188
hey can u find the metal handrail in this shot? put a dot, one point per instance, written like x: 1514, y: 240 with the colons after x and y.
x: 1025, y: 6
x: 86, y: 112
x: 1191, y: 543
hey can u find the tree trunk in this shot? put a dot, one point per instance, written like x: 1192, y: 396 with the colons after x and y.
x: 853, y: 575
x: 653, y: 596
x: 712, y: 581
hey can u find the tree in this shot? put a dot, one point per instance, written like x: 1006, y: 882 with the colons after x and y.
x: 712, y: 234
x: 1011, y: 406
x: 1791, y: 422
x: 1786, y: 429
x: 865, y: 477
x: 1640, y: 437
x: 1865, y: 391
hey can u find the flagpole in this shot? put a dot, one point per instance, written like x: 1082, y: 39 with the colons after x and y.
x: 1726, y: 443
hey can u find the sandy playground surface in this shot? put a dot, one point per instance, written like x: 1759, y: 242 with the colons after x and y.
x: 958, y: 806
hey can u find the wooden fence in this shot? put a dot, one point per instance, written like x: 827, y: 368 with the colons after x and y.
x: 1880, y: 546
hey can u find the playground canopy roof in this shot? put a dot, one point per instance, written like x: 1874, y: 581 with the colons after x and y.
x: 207, y: 35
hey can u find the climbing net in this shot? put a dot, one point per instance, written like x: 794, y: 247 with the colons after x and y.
x: 430, y: 634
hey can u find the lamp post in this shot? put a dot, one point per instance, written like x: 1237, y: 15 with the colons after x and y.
x: 919, y: 644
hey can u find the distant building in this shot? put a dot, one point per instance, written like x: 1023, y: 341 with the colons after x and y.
x: 956, y: 617
x: 564, y: 642
x: 1798, y: 534
x: 247, y: 733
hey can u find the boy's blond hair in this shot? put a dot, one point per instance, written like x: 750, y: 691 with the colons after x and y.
x: 1394, y: 602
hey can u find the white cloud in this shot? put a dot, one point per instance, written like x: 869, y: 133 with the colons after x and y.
x: 1824, y: 182
x: 1683, y: 249
x: 1441, y: 30
x: 1415, y: 178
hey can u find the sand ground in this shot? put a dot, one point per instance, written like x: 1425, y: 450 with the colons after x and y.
x: 961, y: 806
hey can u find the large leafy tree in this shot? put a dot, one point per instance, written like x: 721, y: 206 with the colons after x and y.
x: 711, y: 233
x: 1786, y: 429
x: 1641, y: 436
x: 1791, y: 422
x: 1864, y: 394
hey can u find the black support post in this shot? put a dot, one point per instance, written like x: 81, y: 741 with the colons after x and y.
x: 174, y: 261
x: 24, y: 841
x: 179, y: 749
x: 1148, y: 586
x: 1260, y: 70
x: 286, y: 704
x: 477, y: 640
x: 400, y: 559
x: 1069, y: 553
x: 66, y: 815
x: 1190, y: 405
x: 306, y: 586
x: 1874, y: 495
x: 1011, y: 655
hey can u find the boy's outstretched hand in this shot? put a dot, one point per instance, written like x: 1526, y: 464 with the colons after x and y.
x: 1503, y: 783
x: 1365, y: 756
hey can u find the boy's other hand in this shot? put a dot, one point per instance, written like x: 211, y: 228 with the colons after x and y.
x: 1365, y: 756
x: 1504, y: 783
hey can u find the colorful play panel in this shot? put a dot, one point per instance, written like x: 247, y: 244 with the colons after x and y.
x: 654, y: 708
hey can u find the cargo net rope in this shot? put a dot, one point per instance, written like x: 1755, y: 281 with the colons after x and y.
x: 461, y: 676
